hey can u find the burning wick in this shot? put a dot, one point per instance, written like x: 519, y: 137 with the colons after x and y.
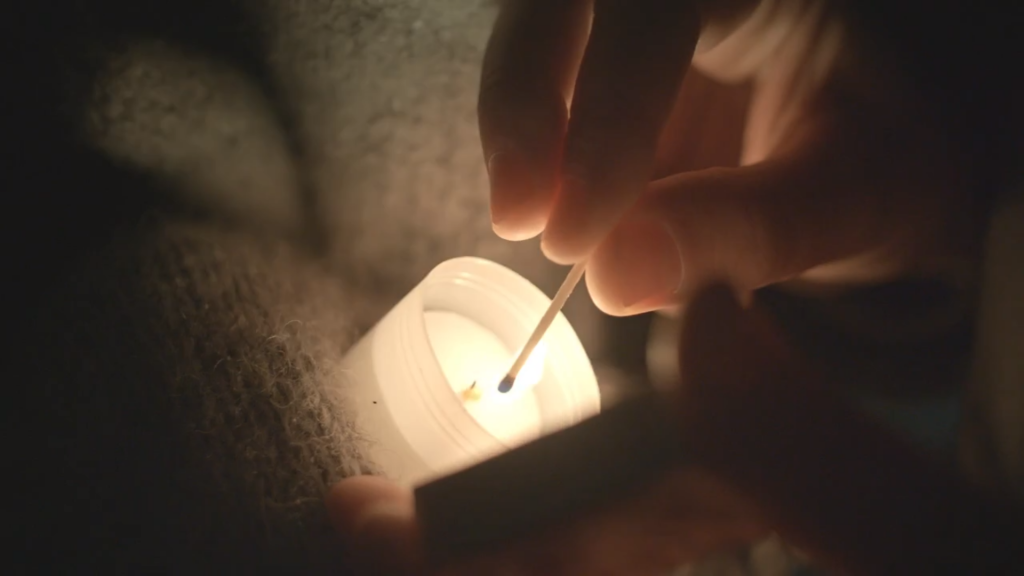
x: 471, y: 393
x: 529, y: 375
x: 526, y: 354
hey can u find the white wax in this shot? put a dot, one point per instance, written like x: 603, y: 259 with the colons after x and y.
x: 468, y: 352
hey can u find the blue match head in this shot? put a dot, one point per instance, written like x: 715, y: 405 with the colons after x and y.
x: 506, y: 384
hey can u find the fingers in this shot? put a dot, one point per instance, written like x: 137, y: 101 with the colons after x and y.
x: 528, y: 74
x: 634, y: 62
x: 681, y: 517
x: 853, y: 495
x: 730, y: 359
x: 376, y: 520
x: 824, y: 202
x: 740, y: 389
x: 705, y: 127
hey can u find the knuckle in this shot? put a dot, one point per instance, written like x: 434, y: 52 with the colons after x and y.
x: 524, y: 111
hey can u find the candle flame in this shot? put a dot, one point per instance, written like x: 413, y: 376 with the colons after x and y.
x: 533, y: 369
x: 529, y: 376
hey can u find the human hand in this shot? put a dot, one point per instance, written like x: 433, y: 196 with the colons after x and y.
x: 767, y: 446
x: 846, y: 173
x: 685, y: 515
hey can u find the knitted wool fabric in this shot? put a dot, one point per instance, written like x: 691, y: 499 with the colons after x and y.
x: 194, y: 416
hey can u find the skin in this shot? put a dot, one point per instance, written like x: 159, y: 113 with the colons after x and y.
x: 770, y: 448
x: 841, y: 174
x: 573, y: 127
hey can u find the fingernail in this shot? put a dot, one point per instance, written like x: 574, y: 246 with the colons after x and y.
x: 644, y: 265
x: 514, y: 190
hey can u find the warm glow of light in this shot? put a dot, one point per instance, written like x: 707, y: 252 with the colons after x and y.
x: 533, y: 370
x: 529, y: 376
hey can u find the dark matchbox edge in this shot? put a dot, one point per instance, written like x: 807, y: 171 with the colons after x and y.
x: 548, y: 481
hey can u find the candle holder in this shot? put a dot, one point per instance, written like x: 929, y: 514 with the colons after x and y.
x: 463, y: 323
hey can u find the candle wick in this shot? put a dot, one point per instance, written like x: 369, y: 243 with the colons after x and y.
x: 470, y: 393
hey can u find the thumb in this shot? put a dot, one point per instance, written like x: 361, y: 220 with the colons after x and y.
x: 822, y: 203
x: 376, y: 520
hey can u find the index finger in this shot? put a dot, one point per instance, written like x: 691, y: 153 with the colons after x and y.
x: 633, y: 66
x: 528, y: 74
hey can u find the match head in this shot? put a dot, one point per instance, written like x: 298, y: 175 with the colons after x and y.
x: 506, y: 384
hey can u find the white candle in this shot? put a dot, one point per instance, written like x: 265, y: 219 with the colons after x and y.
x: 404, y: 380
